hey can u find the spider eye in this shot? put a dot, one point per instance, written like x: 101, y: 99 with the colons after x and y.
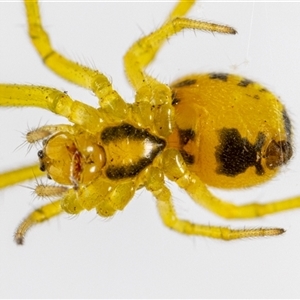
x: 40, y: 154
x: 42, y: 167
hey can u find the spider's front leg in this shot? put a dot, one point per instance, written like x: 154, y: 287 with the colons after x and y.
x: 74, y: 72
x: 57, y: 102
x: 143, y: 51
x: 53, y: 100
x: 20, y: 175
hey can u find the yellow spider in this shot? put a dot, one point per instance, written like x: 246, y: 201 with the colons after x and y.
x: 213, y: 129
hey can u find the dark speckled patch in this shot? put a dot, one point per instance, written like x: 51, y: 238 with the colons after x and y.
x: 188, y: 158
x: 186, y: 82
x: 185, y: 136
x: 287, y: 124
x: 236, y: 154
x: 220, y: 76
x: 263, y: 90
x: 175, y: 99
x: 244, y: 82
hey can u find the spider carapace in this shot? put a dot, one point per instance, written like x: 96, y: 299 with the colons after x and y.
x: 212, y: 129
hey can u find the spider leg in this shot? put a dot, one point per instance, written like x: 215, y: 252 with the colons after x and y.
x: 198, y: 191
x: 69, y: 202
x: 170, y: 219
x: 156, y: 185
x: 102, y: 195
x: 67, y: 69
x: 53, y: 100
x: 45, y: 131
x: 39, y: 215
x: 144, y: 50
x: 19, y: 175
x: 181, y: 9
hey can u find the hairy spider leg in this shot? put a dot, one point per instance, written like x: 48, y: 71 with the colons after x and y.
x: 20, y: 175
x: 144, y: 50
x: 39, y: 215
x: 199, y: 192
x: 69, y: 70
x: 179, y: 173
x: 53, y: 100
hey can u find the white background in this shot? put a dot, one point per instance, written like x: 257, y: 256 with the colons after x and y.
x: 133, y: 254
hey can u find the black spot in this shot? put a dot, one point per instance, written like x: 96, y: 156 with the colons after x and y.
x: 220, y: 76
x: 263, y: 90
x: 256, y: 97
x: 188, y: 158
x: 175, y: 100
x: 185, y: 136
x: 40, y: 154
x: 287, y: 124
x: 260, y: 141
x: 42, y: 167
x: 244, y: 82
x: 186, y: 82
x: 236, y: 154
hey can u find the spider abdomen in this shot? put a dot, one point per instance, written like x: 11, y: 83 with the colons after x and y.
x: 232, y: 132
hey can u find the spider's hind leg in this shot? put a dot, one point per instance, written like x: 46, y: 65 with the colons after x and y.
x: 155, y: 183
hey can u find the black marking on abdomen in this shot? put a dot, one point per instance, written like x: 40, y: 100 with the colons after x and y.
x: 185, y: 135
x: 236, y: 154
x: 244, y: 82
x: 189, y: 159
x: 287, y: 125
x: 175, y: 100
x: 186, y: 82
x: 263, y: 90
x: 220, y: 76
